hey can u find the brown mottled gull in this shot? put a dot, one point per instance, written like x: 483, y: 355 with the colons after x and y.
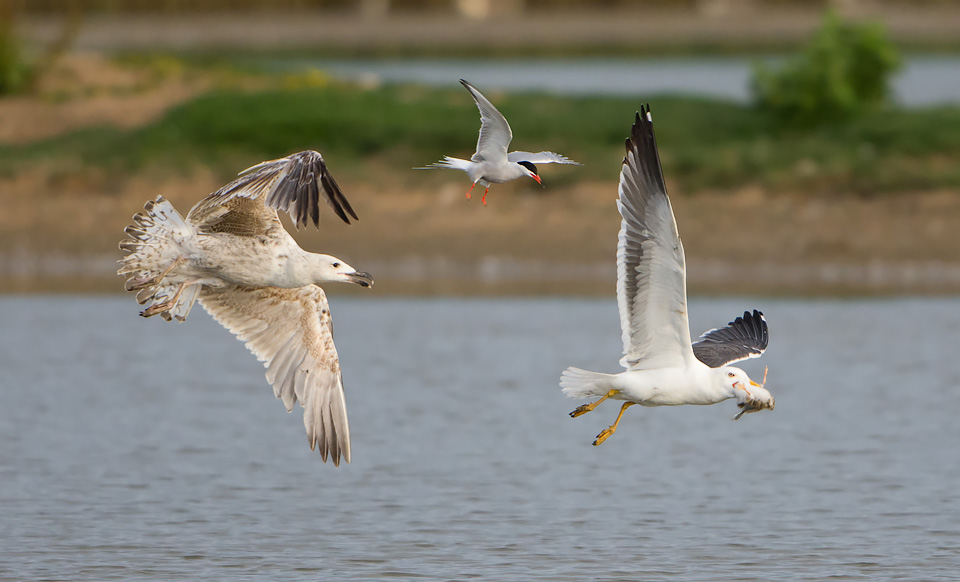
x: 234, y: 255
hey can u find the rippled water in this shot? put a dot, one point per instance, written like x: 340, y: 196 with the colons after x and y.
x: 139, y: 449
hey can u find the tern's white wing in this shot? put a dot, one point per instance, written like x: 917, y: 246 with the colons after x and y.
x: 495, y: 132
x: 293, y: 184
x: 290, y: 331
x: 651, y: 273
x: 540, y: 158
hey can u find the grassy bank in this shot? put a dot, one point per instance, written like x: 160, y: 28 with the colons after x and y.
x: 759, y: 211
x: 705, y: 143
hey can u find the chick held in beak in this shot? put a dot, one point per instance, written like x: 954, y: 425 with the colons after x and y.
x: 755, y: 399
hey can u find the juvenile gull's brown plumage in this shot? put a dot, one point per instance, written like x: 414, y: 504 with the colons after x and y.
x: 234, y: 255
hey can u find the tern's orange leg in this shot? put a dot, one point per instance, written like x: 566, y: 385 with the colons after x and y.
x: 605, y: 433
x: 585, y: 408
x: 484, y: 199
x: 471, y: 190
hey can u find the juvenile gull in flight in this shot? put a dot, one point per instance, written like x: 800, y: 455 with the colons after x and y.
x: 491, y: 164
x: 234, y: 255
x: 663, y: 368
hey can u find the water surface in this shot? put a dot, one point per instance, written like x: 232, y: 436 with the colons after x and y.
x: 924, y: 80
x: 139, y: 449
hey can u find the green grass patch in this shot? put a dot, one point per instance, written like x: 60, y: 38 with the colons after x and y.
x: 704, y: 143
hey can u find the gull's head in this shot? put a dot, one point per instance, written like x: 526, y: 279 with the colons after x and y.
x: 751, y: 397
x: 531, y: 170
x: 333, y: 269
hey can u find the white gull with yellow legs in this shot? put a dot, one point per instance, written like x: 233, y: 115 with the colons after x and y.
x: 663, y: 367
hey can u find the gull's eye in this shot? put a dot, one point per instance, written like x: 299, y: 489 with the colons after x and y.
x: 731, y: 374
x: 336, y: 265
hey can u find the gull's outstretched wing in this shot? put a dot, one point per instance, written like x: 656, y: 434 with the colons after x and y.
x: 744, y: 337
x: 291, y: 332
x: 495, y: 132
x: 651, y: 272
x: 540, y: 158
x: 293, y: 184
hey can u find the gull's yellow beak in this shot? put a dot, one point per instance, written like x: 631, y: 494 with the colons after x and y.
x: 752, y: 383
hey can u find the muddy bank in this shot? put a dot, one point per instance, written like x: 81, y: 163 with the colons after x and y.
x: 61, y: 235
x: 712, y: 26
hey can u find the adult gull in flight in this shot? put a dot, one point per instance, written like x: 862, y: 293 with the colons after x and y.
x: 663, y: 368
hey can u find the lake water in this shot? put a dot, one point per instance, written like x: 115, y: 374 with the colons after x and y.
x: 140, y: 449
x: 924, y: 80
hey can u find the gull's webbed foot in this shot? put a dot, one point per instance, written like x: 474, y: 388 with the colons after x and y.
x: 604, y: 435
x: 585, y: 408
x: 607, y: 432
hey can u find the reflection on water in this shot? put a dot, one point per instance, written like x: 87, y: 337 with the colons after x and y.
x: 924, y: 80
x: 142, y: 449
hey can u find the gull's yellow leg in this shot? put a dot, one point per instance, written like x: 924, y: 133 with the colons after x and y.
x: 605, y: 433
x: 585, y: 408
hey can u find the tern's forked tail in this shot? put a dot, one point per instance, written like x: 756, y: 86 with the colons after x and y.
x: 452, y: 163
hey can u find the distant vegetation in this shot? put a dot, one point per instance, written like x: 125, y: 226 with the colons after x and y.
x: 15, y: 74
x: 380, y: 133
x: 18, y: 72
x: 844, y: 71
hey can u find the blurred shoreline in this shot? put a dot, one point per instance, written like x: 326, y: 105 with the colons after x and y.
x: 424, y: 241
x: 59, y: 226
x: 714, y: 26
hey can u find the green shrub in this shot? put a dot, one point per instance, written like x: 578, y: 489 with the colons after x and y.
x: 843, y: 71
x: 15, y: 74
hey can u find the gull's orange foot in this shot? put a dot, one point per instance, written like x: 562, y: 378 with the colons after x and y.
x: 604, y: 435
x: 582, y: 409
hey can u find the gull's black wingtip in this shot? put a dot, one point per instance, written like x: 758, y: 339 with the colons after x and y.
x: 642, y: 125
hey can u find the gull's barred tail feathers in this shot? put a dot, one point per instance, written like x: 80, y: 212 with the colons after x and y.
x: 158, y: 237
x: 579, y: 383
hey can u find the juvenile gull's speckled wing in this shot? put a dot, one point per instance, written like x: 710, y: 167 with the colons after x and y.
x: 651, y: 271
x: 291, y: 332
x: 743, y: 338
x: 293, y: 184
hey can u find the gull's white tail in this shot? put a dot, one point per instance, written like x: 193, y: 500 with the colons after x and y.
x: 577, y: 383
x: 159, y: 240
